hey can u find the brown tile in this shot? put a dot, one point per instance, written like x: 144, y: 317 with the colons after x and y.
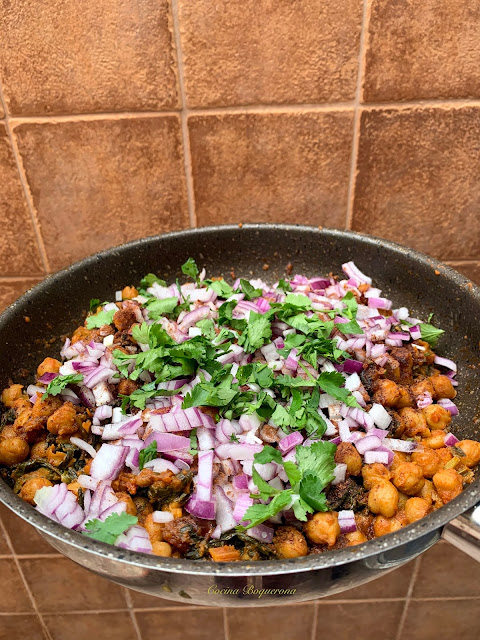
x: 418, y: 179
x: 249, y: 52
x: 104, y: 626
x: 447, y: 572
x: 144, y: 601
x: 14, y: 595
x: 443, y: 620
x: 271, y: 167
x: 360, y: 621
x: 10, y: 290
x: 24, y: 627
x: 18, y: 246
x: 4, y: 549
x: 422, y: 50
x: 201, y: 624
x: 469, y: 269
x: 98, y: 183
x: 393, y: 585
x: 80, y: 57
x: 282, y: 623
x: 47, y: 578
x: 24, y: 538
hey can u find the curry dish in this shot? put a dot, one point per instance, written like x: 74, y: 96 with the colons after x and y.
x: 222, y: 422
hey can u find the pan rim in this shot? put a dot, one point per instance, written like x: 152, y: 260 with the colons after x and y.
x: 428, y: 525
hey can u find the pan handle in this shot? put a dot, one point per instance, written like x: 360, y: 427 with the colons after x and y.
x: 464, y: 532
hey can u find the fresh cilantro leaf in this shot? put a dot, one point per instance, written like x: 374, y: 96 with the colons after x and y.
x: 147, y: 454
x: 150, y: 279
x: 268, y: 454
x: 208, y: 328
x: 430, y: 334
x: 430, y: 316
x: 318, y: 459
x: 284, y: 286
x: 100, y: 319
x: 58, y: 384
x: 234, y: 438
x: 298, y: 300
x: 221, y: 288
x: 281, y: 417
x: 208, y: 394
x: 141, y: 332
x: 193, y: 442
x: 301, y: 508
x: 332, y: 383
x: 139, y: 397
x: 257, y: 332
x: 158, y: 308
x: 350, y: 312
x: 258, y: 513
x: 293, y: 340
x: 311, y: 492
x: 293, y: 472
x: 249, y: 290
x: 189, y: 268
x: 94, y: 303
x: 111, y: 528
x: 225, y: 316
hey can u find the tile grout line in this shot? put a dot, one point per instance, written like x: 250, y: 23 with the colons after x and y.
x: 270, y: 108
x: 357, y: 114
x: 315, y: 621
x: 433, y: 103
x: 25, y: 186
x: 133, y: 617
x: 33, y: 602
x: 187, y: 155
x: 413, y: 579
x: 225, y: 623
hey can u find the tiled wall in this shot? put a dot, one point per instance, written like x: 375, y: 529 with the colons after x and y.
x: 126, y: 118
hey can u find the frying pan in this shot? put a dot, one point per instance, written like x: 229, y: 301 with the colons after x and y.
x: 55, y: 307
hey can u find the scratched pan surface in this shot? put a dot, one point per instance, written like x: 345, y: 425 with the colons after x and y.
x: 57, y: 305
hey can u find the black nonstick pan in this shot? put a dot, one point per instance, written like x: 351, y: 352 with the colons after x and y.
x: 55, y: 307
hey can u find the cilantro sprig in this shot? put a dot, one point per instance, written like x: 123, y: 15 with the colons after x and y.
x: 430, y: 333
x: 111, y: 528
x: 147, y: 454
x: 100, y: 319
x: 58, y: 384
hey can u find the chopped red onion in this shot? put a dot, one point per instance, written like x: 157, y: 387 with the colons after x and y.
x: 449, y: 405
x: 424, y: 400
x: 352, y: 271
x: 204, y: 509
x: 168, y: 441
x: 261, y: 532
x: 368, y: 443
x: 136, y: 538
x: 240, y: 482
x: 205, y: 475
x: 81, y: 444
x: 160, y: 465
x: 346, y: 520
x: 242, y: 503
x: 450, y: 440
x: 371, y: 457
x: 415, y: 332
x: 161, y: 517
x: 406, y: 446
x: 290, y: 442
x: 380, y: 416
x: 380, y: 303
x: 445, y: 362
x: 108, y: 462
x: 238, y: 451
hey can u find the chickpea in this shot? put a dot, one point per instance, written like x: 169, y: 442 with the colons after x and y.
x: 12, y: 393
x: 175, y: 509
x: 128, y: 293
x: 471, y: 449
x: 428, y: 459
x: 374, y: 473
x: 289, y: 542
x: 125, y: 497
x: 383, y: 525
x: 408, y: 478
x: 39, y: 450
x: 399, y: 457
x: 154, y: 529
x: 437, y: 417
x: 355, y: 537
x: 8, y: 432
x: 346, y: 453
x: 426, y: 492
x: 162, y: 549
x: 323, y: 528
x: 405, y: 399
x: 442, y: 387
x: 81, y: 333
x: 64, y: 421
x: 30, y: 488
x: 13, y: 451
x: 49, y: 365
x: 416, y: 508
x: 402, y: 499
x: 45, y: 408
x: 383, y: 499
x: 386, y: 392
x: 444, y: 455
x: 435, y: 440
x: 413, y: 422
x: 448, y: 484
x: 421, y: 387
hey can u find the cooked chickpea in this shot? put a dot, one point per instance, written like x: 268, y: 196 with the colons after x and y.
x: 426, y: 492
x: 323, y: 528
x: 402, y: 498
x: 49, y: 365
x: 435, y: 440
x: 30, y: 488
x: 416, y: 508
x: 421, y: 387
x: 448, y: 484
x: 12, y: 393
x: 374, y: 473
x: 428, y: 459
x: 405, y: 399
x: 399, y: 457
x: 444, y: 455
x: 13, y: 451
x: 383, y: 499
x: 125, y: 497
x: 386, y: 392
x: 471, y: 449
x: 383, y: 525
x: 64, y: 421
x: 128, y: 293
x: 408, y: 478
x: 355, y: 537
x: 39, y: 450
x: 413, y: 422
x: 162, y: 549
x: 289, y: 542
x: 154, y: 529
x: 437, y: 417
x: 346, y: 453
x: 442, y: 387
